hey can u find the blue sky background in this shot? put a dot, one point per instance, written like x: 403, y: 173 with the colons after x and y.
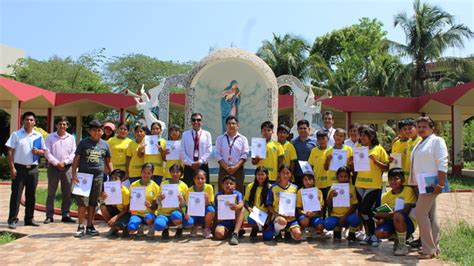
x: 185, y: 30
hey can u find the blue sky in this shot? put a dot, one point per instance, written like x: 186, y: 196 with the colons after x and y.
x: 185, y: 30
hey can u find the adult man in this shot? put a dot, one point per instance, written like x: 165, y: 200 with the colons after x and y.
x: 60, y: 152
x: 328, y: 121
x: 25, y: 146
x: 231, y: 153
x: 303, y: 145
x: 196, y: 148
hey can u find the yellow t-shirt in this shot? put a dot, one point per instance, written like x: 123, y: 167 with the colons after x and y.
x: 257, y: 201
x: 170, y: 163
x: 407, y: 194
x: 289, y: 153
x: 152, y: 191
x: 340, y: 211
x: 332, y: 174
x: 273, y: 198
x: 299, y: 198
x: 156, y: 160
x: 208, y: 189
x: 274, y: 150
x: 317, y: 158
x: 406, y: 157
x: 182, y: 190
x: 125, y: 198
x: 136, y: 163
x: 118, y: 149
x: 372, y: 178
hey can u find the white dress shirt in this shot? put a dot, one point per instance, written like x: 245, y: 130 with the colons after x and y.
x: 187, y: 146
x: 231, y: 149
x: 22, y: 143
x: 429, y: 156
x: 350, y: 143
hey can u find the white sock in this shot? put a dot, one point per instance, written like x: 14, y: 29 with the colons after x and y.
x: 278, y: 228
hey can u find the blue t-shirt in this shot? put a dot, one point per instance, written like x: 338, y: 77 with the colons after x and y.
x: 303, y: 150
x: 93, y: 156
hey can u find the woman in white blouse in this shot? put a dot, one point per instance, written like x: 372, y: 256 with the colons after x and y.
x: 429, y: 158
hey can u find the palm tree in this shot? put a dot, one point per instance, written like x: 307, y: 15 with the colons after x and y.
x: 427, y: 38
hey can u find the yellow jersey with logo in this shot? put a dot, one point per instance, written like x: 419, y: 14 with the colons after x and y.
x: 125, y: 198
x: 407, y: 194
x: 332, y: 174
x: 373, y: 177
x: 341, y: 211
x: 152, y: 190
x: 273, y: 150
x: 136, y: 163
x: 316, y: 159
x: 208, y: 189
x: 411, y: 143
x: 258, y: 201
x: 118, y: 150
x: 182, y: 190
x: 156, y: 160
x: 299, y: 198
x: 289, y: 153
x: 273, y: 198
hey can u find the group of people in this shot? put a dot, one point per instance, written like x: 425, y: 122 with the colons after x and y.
x: 119, y: 158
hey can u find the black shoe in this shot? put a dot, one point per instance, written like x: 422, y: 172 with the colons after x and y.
x: 278, y: 237
x: 165, y: 234
x: 253, y: 233
x: 241, y: 232
x: 415, y: 243
x: 68, y: 219
x: 337, y: 235
x: 12, y: 225
x: 81, y: 231
x: 48, y: 220
x: 351, y: 237
x: 287, y: 236
x: 31, y: 223
x: 179, y: 233
x: 90, y: 230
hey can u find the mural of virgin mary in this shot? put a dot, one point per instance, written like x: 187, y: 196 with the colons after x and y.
x: 230, y: 101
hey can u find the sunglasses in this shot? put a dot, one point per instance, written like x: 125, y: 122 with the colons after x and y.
x: 196, y: 119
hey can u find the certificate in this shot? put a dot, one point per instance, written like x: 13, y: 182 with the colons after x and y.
x: 259, y: 216
x: 83, y: 187
x: 174, y: 147
x: 151, y: 144
x: 339, y: 159
x: 259, y: 147
x: 171, y: 199
x: 224, y: 212
x: 343, y: 197
x: 310, y: 199
x: 137, y: 199
x: 305, y: 167
x: 196, y: 204
x: 399, y: 204
x: 426, y: 181
x: 114, y: 192
x: 397, y: 160
x: 361, y: 159
x: 287, y: 204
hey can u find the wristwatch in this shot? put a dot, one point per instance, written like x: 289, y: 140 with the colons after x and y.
x: 440, y: 186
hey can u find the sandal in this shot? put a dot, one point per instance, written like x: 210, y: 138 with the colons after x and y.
x: 426, y: 256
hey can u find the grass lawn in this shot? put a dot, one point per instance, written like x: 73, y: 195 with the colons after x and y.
x: 456, y: 182
x: 457, y: 243
x: 43, y: 175
x: 6, y: 237
x: 42, y: 194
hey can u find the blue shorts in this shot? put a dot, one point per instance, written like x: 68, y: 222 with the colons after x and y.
x: 228, y: 224
x: 135, y: 221
x: 200, y: 220
x: 351, y: 220
x: 163, y: 221
x: 313, y: 222
x: 389, y: 227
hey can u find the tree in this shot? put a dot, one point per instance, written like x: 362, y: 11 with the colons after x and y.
x: 63, y: 75
x: 429, y: 32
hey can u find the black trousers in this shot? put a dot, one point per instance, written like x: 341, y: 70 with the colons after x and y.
x: 189, y: 174
x: 26, y: 178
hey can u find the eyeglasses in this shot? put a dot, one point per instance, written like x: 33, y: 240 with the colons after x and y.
x: 196, y: 120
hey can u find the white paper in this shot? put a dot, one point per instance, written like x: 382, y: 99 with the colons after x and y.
x: 137, y: 199
x: 114, y: 192
x: 83, y: 187
x: 339, y: 159
x: 399, y: 204
x: 174, y: 148
x: 259, y: 147
x: 421, y: 181
x: 310, y: 199
x: 287, y: 204
x: 151, y: 144
x: 258, y: 216
x: 361, y: 159
x: 343, y: 198
x: 223, y: 207
x: 397, y: 160
x: 196, y: 204
x: 305, y: 167
x: 171, y: 199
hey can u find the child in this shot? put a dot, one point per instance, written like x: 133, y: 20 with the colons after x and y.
x: 174, y: 134
x: 135, y: 153
x: 157, y: 159
x: 353, y: 139
x: 282, y: 222
x: 274, y: 150
x: 117, y: 216
x: 369, y: 183
x: 224, y: 227
x: 255, y: 196
x: 316, y: 159
x: 289, y: 157
x: 152, y: 191
x: 412, y: 135
x: 397, y: 221
x: 173, y: 216
x: 312, y: 219
x: 92, y: 156
x: 343, y: 216
x: 339, y: 136
x: 207, y: 221
x: 118, y: 147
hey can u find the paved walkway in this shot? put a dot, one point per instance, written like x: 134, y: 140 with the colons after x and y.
x: 54, y: 244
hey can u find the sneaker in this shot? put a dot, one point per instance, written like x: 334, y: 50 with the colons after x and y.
x: 375, y: 242
x: 401, y: 250
x: 253, y: 233
x: 351, y: 237
x: 241, y: 232
x: 395, y: 244
x: 81, y: 232
x: 287, y: 236
x: 48, y: 220
x: 337, y: 235
x: 151, y: 232
x: 194, y: 231
x: 179, y: 233
x: 207, y: 233
x: 90, y: 230
x: 125, y: 233
x: 365, y: 241
x: 12, y: 225
x: 278, y: 237
x: 111, y: 233
x: 68, y: 219
x: 328, y: 234
x: 141, y: 230
x: 165, y: 234
x: 415, y: 243
x: 234, y: 239
x: 360, y: 235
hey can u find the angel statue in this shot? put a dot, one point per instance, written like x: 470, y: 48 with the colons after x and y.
x: 146, y: 104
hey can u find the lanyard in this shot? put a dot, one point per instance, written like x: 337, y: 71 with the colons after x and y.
x: 230, y: 145
x: 196, y: 138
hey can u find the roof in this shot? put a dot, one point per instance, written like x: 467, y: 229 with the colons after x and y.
x: 24, y: 92
x: 451, y: 95
x: 115, y: 100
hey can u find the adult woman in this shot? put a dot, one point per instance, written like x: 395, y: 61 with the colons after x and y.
x: 118, y: 146
x: 429, y: 159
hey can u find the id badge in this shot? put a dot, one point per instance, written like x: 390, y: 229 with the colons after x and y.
x: 230, y: 161
x: 196, y: 154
